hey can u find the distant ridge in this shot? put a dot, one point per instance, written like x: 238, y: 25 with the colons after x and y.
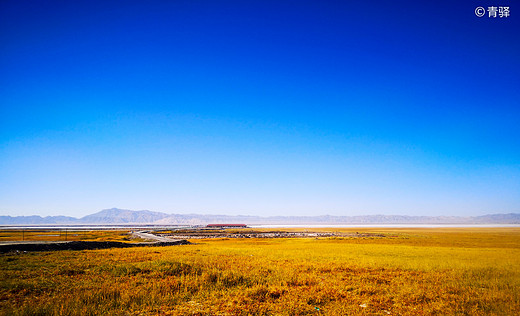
x: 121, y: 216
x: 37, y: 220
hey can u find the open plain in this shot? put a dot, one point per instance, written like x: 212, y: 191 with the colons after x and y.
x: 351, y: 271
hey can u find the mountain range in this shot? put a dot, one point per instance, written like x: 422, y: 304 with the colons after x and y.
x: 120, y: 216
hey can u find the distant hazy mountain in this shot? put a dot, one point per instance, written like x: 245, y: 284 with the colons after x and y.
x: 37, y: 220
x: 499, y: 218
x: 119, y: 216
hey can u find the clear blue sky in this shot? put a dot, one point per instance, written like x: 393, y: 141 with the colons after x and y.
x: 259, y: 107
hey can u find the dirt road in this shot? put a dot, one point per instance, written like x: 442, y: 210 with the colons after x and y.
x: 146, y: 235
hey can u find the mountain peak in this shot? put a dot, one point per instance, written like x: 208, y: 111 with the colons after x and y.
x: 122, y: 216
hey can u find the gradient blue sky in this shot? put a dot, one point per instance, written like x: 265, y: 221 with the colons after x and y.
x: 259, y: 107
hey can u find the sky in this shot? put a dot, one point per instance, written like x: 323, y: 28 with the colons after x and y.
x: 259, y: 107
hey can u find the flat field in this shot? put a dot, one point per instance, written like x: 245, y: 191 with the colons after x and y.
x: 463, y: 271
x: 47, y: 234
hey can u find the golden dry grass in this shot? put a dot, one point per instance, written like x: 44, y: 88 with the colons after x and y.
x: 414, y: 272
x: 42, y: 234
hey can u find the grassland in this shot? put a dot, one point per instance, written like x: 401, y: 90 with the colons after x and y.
x: 406, y: 272
x: 35, y: 234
